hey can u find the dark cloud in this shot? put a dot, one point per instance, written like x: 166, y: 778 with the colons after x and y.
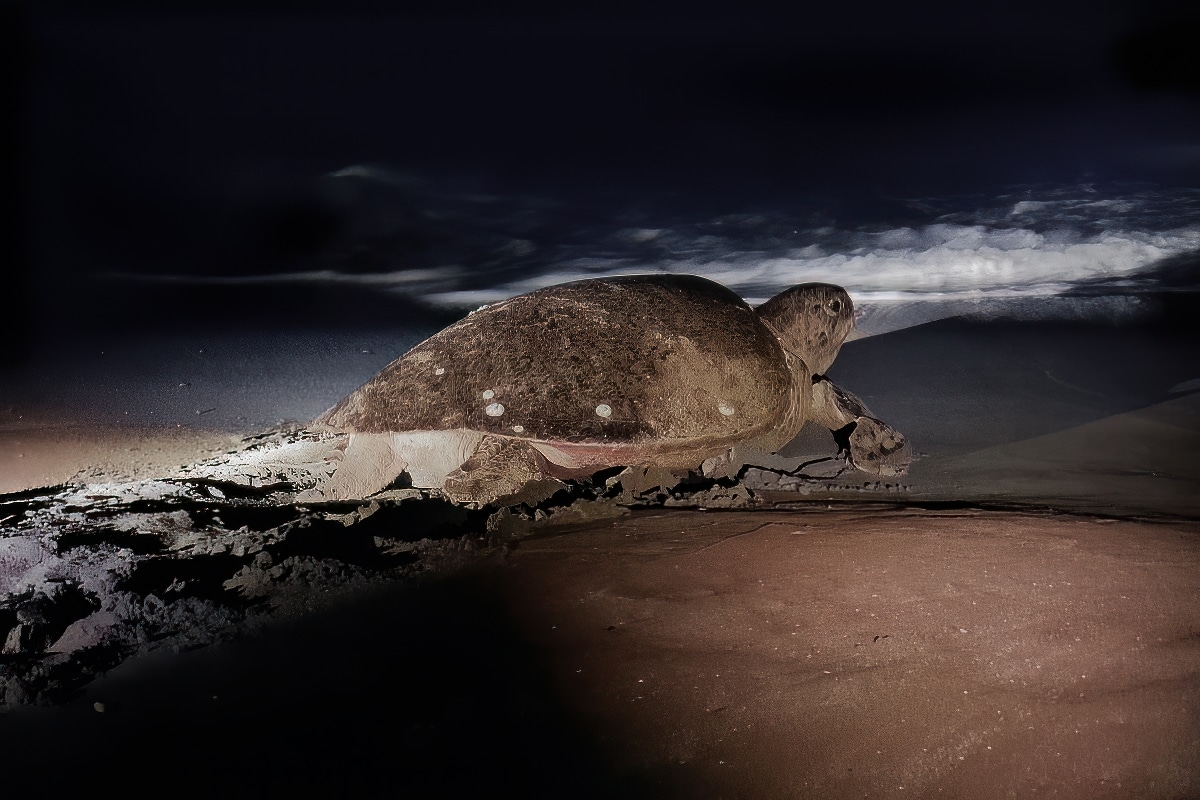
x: 189, y: 139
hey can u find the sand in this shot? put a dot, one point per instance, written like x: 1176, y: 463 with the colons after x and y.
x: 1017, y: 617
x: 39, y: 455
x: 827, y: 653
x: 875, y: 653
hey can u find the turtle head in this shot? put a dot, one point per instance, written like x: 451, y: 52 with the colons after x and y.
x: 811, y: 321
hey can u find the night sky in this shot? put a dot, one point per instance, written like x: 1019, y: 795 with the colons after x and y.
x: 187, y: 142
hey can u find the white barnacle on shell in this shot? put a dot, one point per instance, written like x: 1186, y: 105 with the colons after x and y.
x: 494, y: 410
x: 440, y: 371
x: 488, y: 394
x: 604, y: 410
x: 725, y: 409
x: 518, y: 428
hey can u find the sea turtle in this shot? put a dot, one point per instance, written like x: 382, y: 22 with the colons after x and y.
x: 656, y: 371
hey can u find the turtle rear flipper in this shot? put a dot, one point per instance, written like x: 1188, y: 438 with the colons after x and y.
x: 502, y: 471
x: 368, y: 462
x: 362, y: 465
x: 871, y: 445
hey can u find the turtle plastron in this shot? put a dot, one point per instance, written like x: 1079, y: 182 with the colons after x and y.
x: 871, y: 444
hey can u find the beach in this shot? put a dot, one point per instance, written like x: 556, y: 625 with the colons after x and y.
x: 1015, y: 617
x: 226, y: 220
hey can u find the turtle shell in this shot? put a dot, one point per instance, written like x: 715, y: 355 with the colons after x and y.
x: 670, y: 361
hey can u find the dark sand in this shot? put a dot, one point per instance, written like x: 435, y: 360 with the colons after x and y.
x: 1041, y: 640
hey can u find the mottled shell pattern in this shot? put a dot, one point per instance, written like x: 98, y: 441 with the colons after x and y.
x: 665, y: 361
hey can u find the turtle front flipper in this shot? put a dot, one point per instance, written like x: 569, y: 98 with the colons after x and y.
x: 503, y: 471
x: 870, y: 444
